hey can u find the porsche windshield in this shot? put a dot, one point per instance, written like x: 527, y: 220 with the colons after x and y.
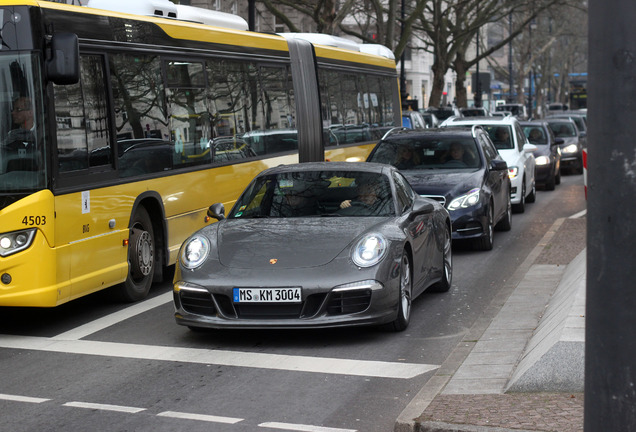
x: 316, y: 194
x: 22, y: 158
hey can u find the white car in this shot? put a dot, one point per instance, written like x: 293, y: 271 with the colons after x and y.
x: 514, y: 148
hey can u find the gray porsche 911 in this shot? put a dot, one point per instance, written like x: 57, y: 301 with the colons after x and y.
x: 323, y: 244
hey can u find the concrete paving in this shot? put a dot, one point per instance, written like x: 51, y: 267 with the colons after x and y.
x: 520, y: 367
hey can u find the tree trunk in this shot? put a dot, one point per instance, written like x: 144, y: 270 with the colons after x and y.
x: 460, y: 67
x: 437, y: 90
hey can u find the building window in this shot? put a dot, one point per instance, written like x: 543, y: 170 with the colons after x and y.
x: 279, y: 26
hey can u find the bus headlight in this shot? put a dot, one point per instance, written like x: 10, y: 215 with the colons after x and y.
x: 195, y: 252
x: 16, y: 241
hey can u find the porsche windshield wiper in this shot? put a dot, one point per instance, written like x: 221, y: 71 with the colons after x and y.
x: 330, y: 215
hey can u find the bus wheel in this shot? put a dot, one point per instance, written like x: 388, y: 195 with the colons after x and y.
x: 141, y: 252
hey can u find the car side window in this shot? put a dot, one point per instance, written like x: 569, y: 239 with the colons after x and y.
x: 489, y: 149
x: 405, y: 195
x: 521, y: 137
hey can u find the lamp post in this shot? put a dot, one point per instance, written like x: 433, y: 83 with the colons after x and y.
x: 402, y: 60
x: 477, y: 80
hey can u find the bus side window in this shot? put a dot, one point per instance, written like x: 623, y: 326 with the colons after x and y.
x: 83, y: 134
x: 143, y: 138
x: 188, y: 112
x: 254, y: 103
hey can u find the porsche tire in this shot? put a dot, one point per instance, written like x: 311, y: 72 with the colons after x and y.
x: 405, y: 294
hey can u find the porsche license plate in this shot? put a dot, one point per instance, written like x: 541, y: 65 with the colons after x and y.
x: 267, y: 295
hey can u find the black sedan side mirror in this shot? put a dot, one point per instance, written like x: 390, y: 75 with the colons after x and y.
x: 498, y: 165
x: 217, y: 211
x: 558, y: 141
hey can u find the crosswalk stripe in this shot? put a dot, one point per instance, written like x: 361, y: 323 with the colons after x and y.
x: 105, y: 407
x: 200, y: 417
x: 302, y: 428
x: 17, y: 398
x: 324, y: 365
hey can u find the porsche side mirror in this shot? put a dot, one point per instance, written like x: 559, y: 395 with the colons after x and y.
x: 421, y: 207
x: 217, y: 211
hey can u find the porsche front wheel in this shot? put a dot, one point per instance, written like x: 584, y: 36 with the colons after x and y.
x: 405, y: 294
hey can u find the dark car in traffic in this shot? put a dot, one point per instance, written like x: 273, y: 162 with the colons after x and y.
x: 573, y: 143
x: 324, y: 244
x: 547, y: 155
x: 460, y: 168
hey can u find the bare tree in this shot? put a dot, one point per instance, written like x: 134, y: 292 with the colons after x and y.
x: 451, y: 28
x: 324, y: 13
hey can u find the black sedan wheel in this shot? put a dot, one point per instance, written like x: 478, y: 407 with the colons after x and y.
x: 485, y: 242
x: 505, y: 224
x: 406, y: 293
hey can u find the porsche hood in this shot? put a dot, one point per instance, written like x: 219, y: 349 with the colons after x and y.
x: 291, y: 242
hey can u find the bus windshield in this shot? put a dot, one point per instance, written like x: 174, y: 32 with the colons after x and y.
x: 22, y: 141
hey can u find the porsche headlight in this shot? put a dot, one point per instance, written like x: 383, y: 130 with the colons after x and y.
x: 16, y: 241
x: 369, y: 250
x: 467, y: 200
x: 513, y: 172
x: 195, y: 252
x: 572, y: 148
x: 542, y: 160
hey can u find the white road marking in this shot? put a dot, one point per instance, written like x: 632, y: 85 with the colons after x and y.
x: 579, y: 214
x: 22, y: 398
x: 201, y: 417
x: 114, y: 318
x: 302, y: 428
x: 324, y: 365
x: 105, y: 407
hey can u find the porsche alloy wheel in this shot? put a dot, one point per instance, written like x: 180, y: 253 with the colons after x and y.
x: 406, y: 294
x: 447, y: 265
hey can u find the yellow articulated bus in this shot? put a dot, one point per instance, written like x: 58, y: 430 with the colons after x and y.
x: 118, y: 129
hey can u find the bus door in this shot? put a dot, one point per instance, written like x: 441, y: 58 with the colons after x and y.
x: 90, y: 228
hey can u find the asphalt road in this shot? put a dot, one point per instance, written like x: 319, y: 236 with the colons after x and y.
x: 97, y: 365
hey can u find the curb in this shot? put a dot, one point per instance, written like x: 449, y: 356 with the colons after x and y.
x: 407, y: 421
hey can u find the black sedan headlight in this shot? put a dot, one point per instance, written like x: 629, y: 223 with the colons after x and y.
x: 369, y: 250
x: 467, y: 200
x: 195, y: 251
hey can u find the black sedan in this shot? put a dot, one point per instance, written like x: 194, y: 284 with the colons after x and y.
x: 323, y: 244
x: 547, y: 155
x: 460, y: 168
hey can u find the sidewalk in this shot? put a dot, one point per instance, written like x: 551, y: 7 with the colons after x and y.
x: 520, y: 367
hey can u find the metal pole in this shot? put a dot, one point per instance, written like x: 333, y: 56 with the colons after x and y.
x: 402, y: 60
x: 477, y: 80
x: 511, y: 81
x: 610, y: 329
x: 251, y: 14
